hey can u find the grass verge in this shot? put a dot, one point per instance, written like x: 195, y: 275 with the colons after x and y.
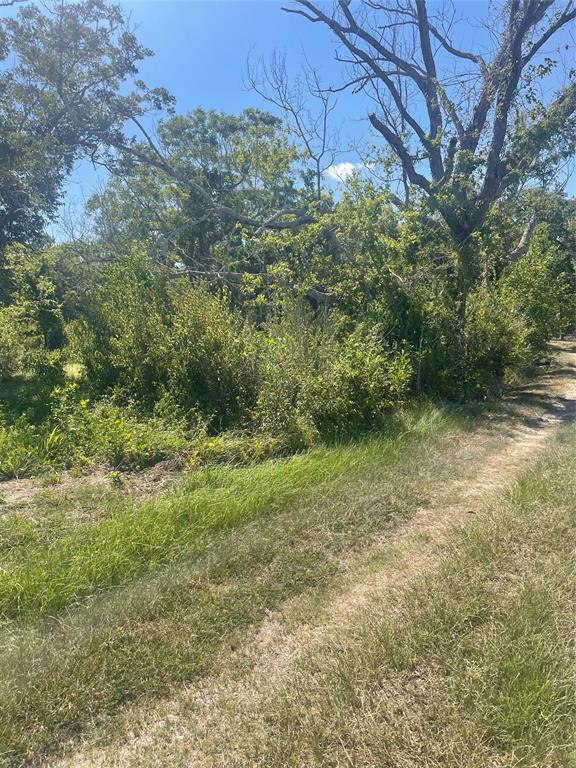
x: 40, y: 576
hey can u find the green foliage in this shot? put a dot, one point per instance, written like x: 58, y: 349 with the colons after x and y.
x: 122, y: 341
x: 31, y: 325
x: 231, y: 368
x: 246, y: 161
x: 362, y: 382
x: 159, y: 365
x: 21, y: 451
x: 496, y: 343
x: 77, y: 434
x: 397, y: 277
x: 295, y: 377
x: 60, y: 98
x: 149, y: 335
x: 111, y: 435
x: 236, y: 448
x: 317, y: 383
x: 22, y: 352
x: 212, y: 356
x: 539, y: 290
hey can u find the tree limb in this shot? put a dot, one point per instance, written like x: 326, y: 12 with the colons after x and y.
x: 568, y: 14
x: 524, y: 243
x: 402, y: 153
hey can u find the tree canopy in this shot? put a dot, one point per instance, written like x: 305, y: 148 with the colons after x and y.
x: 62, y: 99
x: 466, y: 128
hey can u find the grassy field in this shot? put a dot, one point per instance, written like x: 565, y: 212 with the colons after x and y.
x: 97, y: 613
x: 114, y: 607
x: 478, y: 667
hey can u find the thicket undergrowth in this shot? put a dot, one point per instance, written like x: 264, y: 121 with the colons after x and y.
x: 155, y: 367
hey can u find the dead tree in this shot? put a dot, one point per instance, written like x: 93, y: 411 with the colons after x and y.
x: 306, y: 106
x: 467, y: 127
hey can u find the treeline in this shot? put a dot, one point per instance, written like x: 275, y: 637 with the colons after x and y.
x: 222, y: 305
x: 126, y: 359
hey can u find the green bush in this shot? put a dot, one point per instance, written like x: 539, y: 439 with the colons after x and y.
x: 150, y: 335
x: 122, y: 441
x: 77, y: 435
x: 538, y: 289
x: 292, y: 355
x: 112, y: 435
x: 21, y: 449
x: 123, y: 341
x: 212, y: 359
x: 21, y: 345
x: 360, y: 383
x: 496, y: 343
x: 158, y: 366
x: 316, y: 383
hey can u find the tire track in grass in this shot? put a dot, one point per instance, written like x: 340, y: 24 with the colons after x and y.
x: 203, y: 725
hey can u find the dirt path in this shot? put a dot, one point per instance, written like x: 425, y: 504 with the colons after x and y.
x: 220, y: 721
x: 22, y: 494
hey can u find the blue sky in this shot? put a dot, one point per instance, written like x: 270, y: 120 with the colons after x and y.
x: 201, y: 47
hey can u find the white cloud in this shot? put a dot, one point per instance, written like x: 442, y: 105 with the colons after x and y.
x: 342, y: 171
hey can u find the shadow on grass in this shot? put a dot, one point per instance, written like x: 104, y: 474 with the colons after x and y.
x: 529, y: 405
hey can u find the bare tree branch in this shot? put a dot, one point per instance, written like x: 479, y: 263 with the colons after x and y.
x: 309, y: 124
x: 401, y: 151
x: 567, y: 15
x: 524, y: 243
x: 431, y: 94
x: 374, y: 54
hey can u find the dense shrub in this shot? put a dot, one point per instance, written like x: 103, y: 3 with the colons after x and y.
x: 496, y: 343
x: 123, y: 340
x: 159, y: 366
x: 538, y: 289
x: 111, y: 435
x: 21, y: 449
x: 212, y: 356
x: 77, y: 434
x: 360, y: 384
x: 150, y: 335
x: 316, y: 384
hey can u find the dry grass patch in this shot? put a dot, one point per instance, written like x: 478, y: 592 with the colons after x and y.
x: 476, y: 670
